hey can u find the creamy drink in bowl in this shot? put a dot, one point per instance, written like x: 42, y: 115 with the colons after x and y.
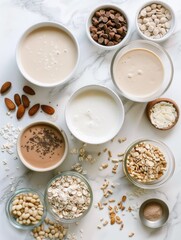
x: 47, y: 54
x: 142, y: 71
x: 42, y: 146
x: 94, y: 114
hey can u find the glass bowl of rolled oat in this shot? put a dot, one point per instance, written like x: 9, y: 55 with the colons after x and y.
x: 68, y: 197
x: 26, y: 209
x: 148, y: 163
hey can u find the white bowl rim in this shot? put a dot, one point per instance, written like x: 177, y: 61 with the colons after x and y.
x: 28, y: 165
x: 106, y: 90
x: 169, y: 33
x: 31, y: 29
x: 104, y: 6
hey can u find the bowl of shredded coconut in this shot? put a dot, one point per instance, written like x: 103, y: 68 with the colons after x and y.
x: 163, y: 113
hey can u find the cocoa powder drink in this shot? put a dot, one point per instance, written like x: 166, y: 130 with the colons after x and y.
x: 42, y: 146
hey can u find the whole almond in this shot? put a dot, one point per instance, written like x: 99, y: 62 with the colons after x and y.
x: 5, y: 87
x: 25, y: 101
x: 34, y: 109
x: 20, y: 111
x: 28, y: 90
x: 48, y: 109
x: 9, y: 104
x: 113, y: 220
x: 17, y: 99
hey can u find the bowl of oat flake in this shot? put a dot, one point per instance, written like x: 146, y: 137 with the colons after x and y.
x: 148, y: 163
x: 68, y: 197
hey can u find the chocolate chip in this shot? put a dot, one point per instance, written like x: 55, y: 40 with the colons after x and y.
x: 95, y: 37
x: 93, y: 29
x: 111, y: 35
x: 101, y: 40
x: 105, y: 19
x: 106, y: 41
x: 107, y: 14
x: 110, y: 43
x: 97, y: 14
x: 102, y: 12
x: 112, y: 16
x: 101, y: 25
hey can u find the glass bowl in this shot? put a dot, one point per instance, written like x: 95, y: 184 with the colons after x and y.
x: 157, y: 50
x: 167, y: 173
x: 172, y: 27
x: 12, y: 219
x: 49, y: 206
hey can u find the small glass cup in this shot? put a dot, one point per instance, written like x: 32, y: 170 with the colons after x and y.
x: 49, y: 207
x: 12, y: 219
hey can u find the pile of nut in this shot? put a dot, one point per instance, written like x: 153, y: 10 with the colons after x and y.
x: 22, y: 103
x: 27, y: 208
x: 145, y: 162
x: 154, y: 21
x: 109, y: 27
x: 69, y: 197
x: 52, y: 230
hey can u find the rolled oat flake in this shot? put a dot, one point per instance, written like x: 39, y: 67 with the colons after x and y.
x: 163, y: 115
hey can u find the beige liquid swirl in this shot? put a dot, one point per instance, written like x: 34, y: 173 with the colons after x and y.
x: 139, y: 72
x: 48, y: 54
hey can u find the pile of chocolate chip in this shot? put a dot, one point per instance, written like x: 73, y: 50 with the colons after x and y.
x: 109, y: 27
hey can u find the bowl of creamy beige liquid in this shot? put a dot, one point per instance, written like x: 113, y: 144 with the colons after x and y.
x: 42, y: 146
x: 142, y: 71
x: 94, y: 114
x: 47, y: 54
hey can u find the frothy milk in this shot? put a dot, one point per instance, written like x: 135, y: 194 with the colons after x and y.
x: 94, y: 115
x: 48, y: 54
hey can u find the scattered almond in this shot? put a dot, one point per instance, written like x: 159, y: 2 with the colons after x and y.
x: 5, y: 87
x: 9, y: 104
x: 17, y: 99
x: 25, y: 101
x: 113, y: 220
x: 20, y: 112
x: 34, y: 109
x: 124, y: 198
x: 28, y: 90
x: 47, y: 109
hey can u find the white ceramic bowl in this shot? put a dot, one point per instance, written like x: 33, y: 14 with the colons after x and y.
x: 173, y: 22
x: 92, y: 117
x: 43, y: 169
x: 88, y: 24
x: 19, y: 60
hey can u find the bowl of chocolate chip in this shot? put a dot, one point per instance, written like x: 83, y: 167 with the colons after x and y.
x: 42, y: 146
x: 148, y: 163
x: 108, y: 27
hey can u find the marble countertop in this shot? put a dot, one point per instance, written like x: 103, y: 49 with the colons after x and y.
x: 15, y: 17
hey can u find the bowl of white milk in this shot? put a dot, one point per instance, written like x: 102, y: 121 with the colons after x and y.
x: 142, y: 71
x: 94, y: 114
x: 47, y: 54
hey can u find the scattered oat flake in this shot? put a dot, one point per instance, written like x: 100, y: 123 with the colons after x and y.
x: 131, y: 234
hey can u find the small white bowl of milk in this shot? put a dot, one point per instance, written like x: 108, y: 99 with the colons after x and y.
x: 94, y: 114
